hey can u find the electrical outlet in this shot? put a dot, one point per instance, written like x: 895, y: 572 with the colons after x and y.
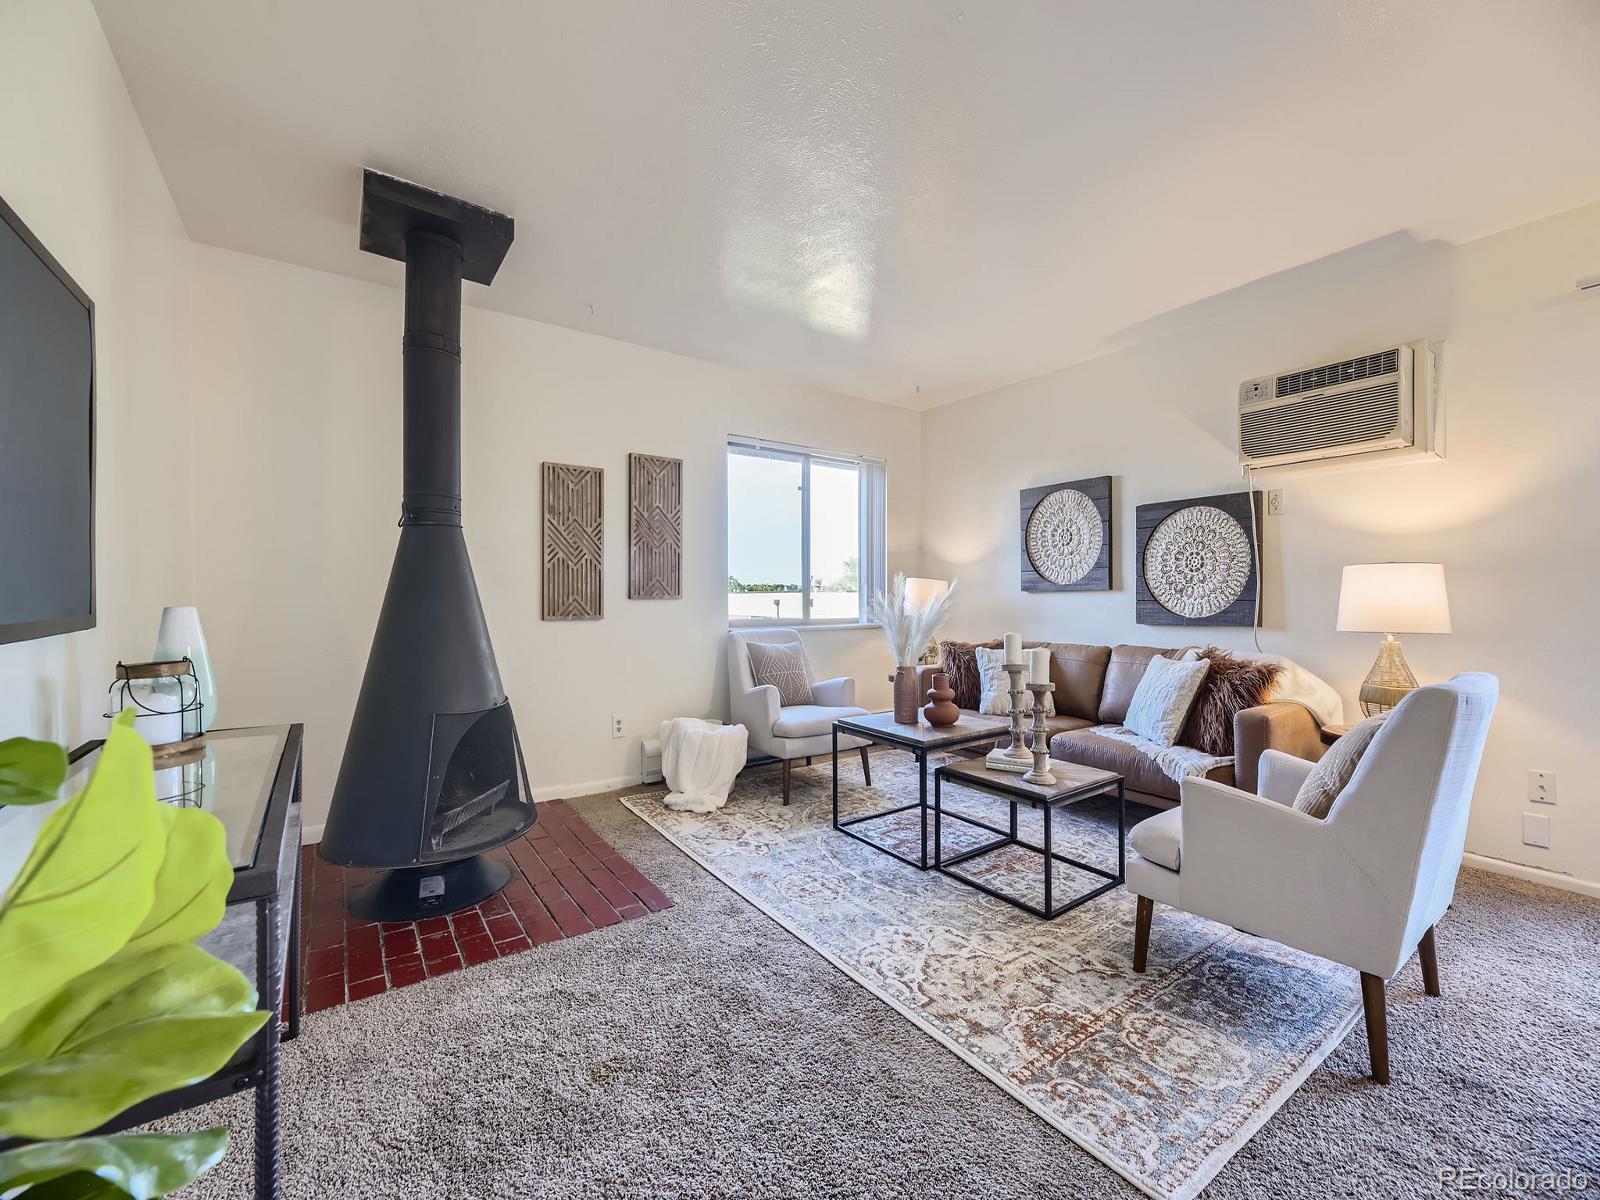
x: 1536, y: 830
x: 1275, y: 502
x: 1542, y: 787
x: 616, y: 725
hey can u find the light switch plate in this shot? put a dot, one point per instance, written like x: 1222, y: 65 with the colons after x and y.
x: 1541, y: 787
x: 1536, y: 830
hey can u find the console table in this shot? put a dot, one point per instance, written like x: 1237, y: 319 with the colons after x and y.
x: 250, y: 780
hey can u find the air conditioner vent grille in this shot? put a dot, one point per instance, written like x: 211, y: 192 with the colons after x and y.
x: 1352, y: 417
x: 1351, y: 370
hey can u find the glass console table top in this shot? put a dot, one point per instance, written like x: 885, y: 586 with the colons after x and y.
x: 231, y: 778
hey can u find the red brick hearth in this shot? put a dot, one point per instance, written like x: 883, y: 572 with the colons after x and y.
x: 567, y: 881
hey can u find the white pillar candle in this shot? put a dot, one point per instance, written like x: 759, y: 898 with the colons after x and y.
x: 1039, y: 665
x: 1014, y: 648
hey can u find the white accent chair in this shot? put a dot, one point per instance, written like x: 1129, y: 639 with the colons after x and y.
x: 800, y: 730
x: 1365, y: 885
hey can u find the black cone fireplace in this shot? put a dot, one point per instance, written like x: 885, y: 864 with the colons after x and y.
x: 433, y: 774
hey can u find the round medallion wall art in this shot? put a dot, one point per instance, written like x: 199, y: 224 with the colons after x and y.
x: 1066, y: 536
x: 1197, y: 563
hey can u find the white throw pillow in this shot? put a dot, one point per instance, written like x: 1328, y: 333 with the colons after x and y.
x: 1163, y: 698
x: 995, y: 685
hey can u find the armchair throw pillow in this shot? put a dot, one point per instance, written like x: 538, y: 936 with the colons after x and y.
x: 1161, y: 702
x: 783, y: 665
x: 1335, y: 769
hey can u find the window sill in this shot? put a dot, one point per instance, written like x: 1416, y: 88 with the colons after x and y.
x: 803, y: 626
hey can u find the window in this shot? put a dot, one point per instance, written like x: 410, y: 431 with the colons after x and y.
x: 805, y: 534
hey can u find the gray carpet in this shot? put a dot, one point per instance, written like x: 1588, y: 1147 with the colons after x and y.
x: 704, y: 1052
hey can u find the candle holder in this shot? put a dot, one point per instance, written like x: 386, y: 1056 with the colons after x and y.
x: 1040, y: 771
x: 1015, y: 757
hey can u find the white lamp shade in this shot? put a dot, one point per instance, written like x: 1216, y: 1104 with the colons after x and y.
x: 1394, y: 598
x: 920, y: 593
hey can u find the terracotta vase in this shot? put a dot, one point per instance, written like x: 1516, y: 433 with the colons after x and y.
x: 906, y: 695
x: 941, y: 707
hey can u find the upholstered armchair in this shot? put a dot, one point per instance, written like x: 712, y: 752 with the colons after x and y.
x: 797, y: 731
x: 1363, y: 886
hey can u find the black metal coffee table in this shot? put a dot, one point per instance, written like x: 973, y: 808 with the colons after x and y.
x: 921, y: 739
x: 1073, y: 783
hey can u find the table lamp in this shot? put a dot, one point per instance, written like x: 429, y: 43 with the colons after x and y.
x: 1391, y: 598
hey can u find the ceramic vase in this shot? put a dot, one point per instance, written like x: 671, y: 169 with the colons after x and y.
x: 941, y: 708
x: 907, y: 696
x: 180, y: 636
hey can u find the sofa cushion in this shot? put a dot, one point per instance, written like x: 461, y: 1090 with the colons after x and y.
x: 1089, y: 749
x: 1160, y: 839
x: 809, y: 720
x: 1123, y: 672
x: 1079, y: 673
x: 1142, y: 773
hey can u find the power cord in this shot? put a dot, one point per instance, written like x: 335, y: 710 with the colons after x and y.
x: 1255, y: 548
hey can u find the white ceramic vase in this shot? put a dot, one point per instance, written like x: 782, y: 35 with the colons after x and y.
x: 182, y: 637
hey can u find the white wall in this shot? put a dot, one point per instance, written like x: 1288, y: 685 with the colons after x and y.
x: 295, y: 376
x: 75, y: 166
x: 1513, y: 513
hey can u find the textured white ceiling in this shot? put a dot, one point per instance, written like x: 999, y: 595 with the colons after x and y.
x: 911, y: 200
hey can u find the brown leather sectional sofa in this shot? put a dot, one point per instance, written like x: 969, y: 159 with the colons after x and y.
x: 1095, y: 684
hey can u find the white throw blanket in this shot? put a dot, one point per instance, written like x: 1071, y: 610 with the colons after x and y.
x: 1176, y: 762
x: 699, y: 761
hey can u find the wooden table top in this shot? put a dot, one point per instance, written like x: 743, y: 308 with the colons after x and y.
x: 1073, y: 782
x: 883, y: 725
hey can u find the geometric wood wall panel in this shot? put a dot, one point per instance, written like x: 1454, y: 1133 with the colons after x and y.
x: 574, y: 543
x: 655, y: 527
x: 1198, y: 564
x: 1066, y: 536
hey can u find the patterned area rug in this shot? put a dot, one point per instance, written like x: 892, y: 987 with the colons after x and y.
x: 1161, y: 1076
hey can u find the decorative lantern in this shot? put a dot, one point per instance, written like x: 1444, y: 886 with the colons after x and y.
x: 165, y: 697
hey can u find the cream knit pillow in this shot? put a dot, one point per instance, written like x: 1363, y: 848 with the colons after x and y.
x: 1334, y: 769
x: 1161, y: 702
x: 995, y: 685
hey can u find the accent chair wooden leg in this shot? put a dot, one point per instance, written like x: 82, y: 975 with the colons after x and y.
x: 1141, y: 932
x: 866, y: 766
x: 788, y: 765
x: 808, y: 760
x: 1377, y: 1026
x: 1430, y: 963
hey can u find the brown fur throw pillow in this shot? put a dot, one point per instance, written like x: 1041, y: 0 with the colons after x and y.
x: 959, y: 660
x: 1230, y: 686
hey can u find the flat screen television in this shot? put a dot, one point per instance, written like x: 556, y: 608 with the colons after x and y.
x: 46, y: 441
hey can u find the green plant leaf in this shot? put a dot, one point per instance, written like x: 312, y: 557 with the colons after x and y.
x: 30, y: 772
x: 89, y: 881
x: 142, y: 1166
x: 191, y: 885
x: 143, y: 1023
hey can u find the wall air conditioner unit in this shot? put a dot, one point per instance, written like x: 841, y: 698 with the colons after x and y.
x: 1381, y: 407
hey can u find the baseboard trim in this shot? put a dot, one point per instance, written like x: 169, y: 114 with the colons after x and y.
x: 1555, y: 879
x: 591, y: 787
